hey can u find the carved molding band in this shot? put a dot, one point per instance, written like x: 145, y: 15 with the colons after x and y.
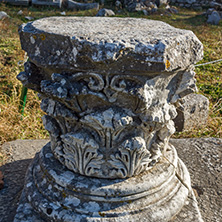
x: 109, y: 127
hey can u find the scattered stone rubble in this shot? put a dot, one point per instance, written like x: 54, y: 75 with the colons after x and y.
x: 3, y: 15
x: 17, y: 2
x: 194, y: 4
x: 82, y: 6
x: 70, y: 4
x: 214, y: 13
x: 192, y: 112
x: 149, y: 6
x: 105, y: 12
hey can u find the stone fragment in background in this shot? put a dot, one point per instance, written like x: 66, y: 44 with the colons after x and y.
x: 57, y: 3
x: 192, y: 112
x: 172, y: 9
x: 214, y: 18
x: 17, y: 2
x: 20, y: 12
x: 30, y: 18
x: 216, y: 5
x: 105, y: 12
x: 3, y: 15
x: 82, y: 6
x: 161, y: 2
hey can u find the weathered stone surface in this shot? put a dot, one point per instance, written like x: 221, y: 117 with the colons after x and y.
x: 18, y: 149
x: 109, y: 45
x: 105, y: 12
x: 57, y: 3
x: 192, y: 112
x: 3, y: 15
x: 19, y: 155
x: 20, y: 12
x: 102, y: 98
x: 142, y: 5
x: 104, y: 200
x: 203, y: 157
x: 82, y: 6
x: 214, y: 18
x: 161, y: 2
x: 206, y: 160
x: 195, y: 4
x: 171, y: 10
x: 109, y: 114
x: 216, y: 5
x: 17, y: 2
x: 29, y: 18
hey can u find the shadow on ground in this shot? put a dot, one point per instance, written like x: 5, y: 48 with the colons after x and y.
x: 14, y: 175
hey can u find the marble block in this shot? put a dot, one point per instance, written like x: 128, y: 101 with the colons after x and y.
x: 108, y: 87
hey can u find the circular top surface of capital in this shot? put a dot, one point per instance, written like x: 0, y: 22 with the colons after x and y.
x: 117, y: 45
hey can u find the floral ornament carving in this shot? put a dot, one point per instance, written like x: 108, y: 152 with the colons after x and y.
x: 107, y: 144
x: 81, y: 154
x: 110, y: 126
x: 131, y: 159
x: 71, y: 89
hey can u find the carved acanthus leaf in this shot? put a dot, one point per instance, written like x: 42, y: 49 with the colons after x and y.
x: 81, y: 154
x: 131, y: 159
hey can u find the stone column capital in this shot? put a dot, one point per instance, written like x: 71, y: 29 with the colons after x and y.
x: 108, y: 87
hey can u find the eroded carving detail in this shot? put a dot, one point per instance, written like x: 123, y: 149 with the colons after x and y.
x: 109, y: 127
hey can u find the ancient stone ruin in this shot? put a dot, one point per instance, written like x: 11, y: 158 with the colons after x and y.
x: 108, y: 86
x: 195, y: 4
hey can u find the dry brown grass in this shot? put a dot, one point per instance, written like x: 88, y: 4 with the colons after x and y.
x: 13, y: 126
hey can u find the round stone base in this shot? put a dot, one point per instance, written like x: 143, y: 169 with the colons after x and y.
x: 55, y: 193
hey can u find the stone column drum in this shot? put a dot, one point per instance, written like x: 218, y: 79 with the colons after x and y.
x: 108, y: 87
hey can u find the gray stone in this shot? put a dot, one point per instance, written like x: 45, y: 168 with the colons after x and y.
x: 161, y: 2
x: 192, y: 112
x: 209, y: 11
x: 118, y: 4
x: 187, y: 5
x: 3, y: 15
x: 19, y: 155
x: 107, y: 86
x: 214, y: 18
x: 161, y: 48
x: 207, y: 189
x: 134, y: 6
x: 17, y: 2
x: 29, y: 18
x: 150, y: 6
x: 20, y: 12
x: 82, y: 6
x: 191, y: 1
x: 203, y: 157
x: 105, y: 12
x: 197, y: 8
x: 105, y: 200
x: 154, y: 9
x: 56, y: 3
x: 22, y: 149
x: 194, y: 4
x: 216, y: 5
x: 171, y: 10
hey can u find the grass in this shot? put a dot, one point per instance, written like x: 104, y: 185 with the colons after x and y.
x: 13, y: 126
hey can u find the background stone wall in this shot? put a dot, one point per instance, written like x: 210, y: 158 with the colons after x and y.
x: 195, y: 4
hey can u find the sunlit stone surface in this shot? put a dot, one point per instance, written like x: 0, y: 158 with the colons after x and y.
x: 108, y: 87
